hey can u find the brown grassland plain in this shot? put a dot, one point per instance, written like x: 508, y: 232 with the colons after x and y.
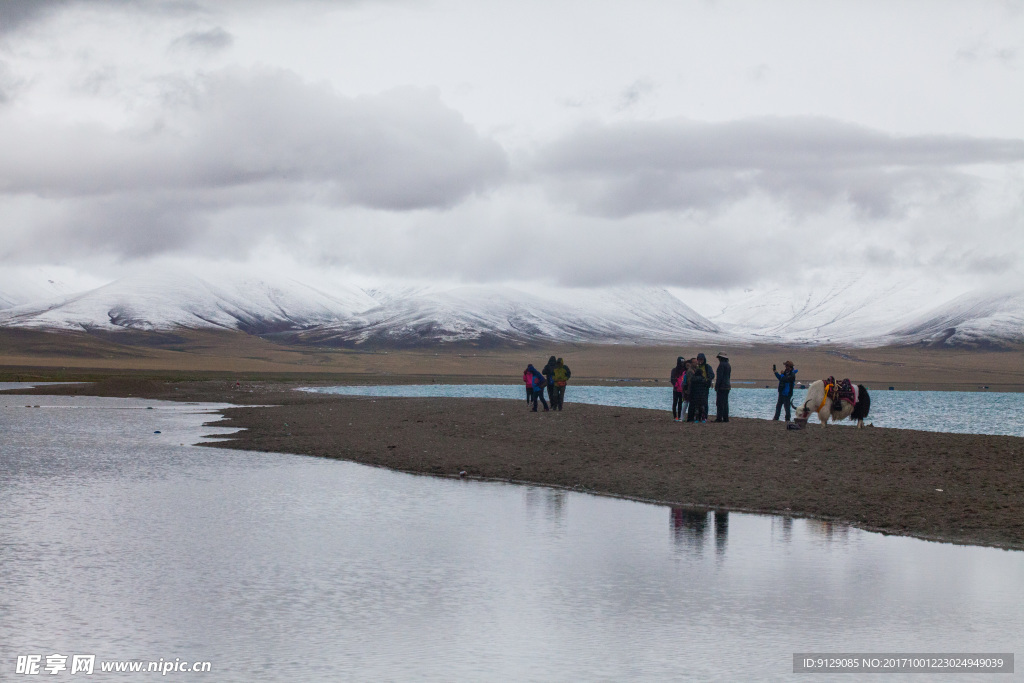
x: 39, y: 355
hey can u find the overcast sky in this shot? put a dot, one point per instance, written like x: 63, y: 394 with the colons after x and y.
x: 692, y: 144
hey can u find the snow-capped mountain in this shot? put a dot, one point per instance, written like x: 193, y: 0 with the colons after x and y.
x: 855, y: 309
x: 995, y: 318
x: 843, y: 309
x: 847, y: 309
x: 166, y: 300
x: 342, y: 314
x: 490, y: 314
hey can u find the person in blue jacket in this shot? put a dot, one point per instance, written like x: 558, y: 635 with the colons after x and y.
x: 787, y: 379
x: 539, y: 382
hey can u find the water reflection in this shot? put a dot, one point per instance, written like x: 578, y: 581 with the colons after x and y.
x: 721, y: 531
x: 827, y: 530
x: 689, y: 527
x: 548, y: 502
x: 783, y: 525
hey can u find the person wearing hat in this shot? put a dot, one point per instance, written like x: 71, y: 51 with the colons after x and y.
x: 723, y: 384
x: 700, y: 385
x: 787, y: 379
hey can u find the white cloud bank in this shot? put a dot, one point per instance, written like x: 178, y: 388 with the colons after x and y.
x: 361, y: 137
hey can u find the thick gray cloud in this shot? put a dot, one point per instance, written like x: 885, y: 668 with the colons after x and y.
x: 811, y: 163
x: 239, y: 139
x: 402, y: 149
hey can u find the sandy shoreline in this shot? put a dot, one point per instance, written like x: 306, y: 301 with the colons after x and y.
x: 886, y: 480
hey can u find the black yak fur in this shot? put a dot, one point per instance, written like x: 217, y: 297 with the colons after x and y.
x: 863, y: 406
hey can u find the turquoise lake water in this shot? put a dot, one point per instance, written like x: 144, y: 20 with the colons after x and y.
x: 933, y: 411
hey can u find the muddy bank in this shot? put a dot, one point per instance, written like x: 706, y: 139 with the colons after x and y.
x: 951, y: 487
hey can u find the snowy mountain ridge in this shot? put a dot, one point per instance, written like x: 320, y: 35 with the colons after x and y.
x: 848, y: 310
x: 504, y: 314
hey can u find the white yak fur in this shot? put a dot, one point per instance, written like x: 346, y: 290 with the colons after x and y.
x: 817, y: 402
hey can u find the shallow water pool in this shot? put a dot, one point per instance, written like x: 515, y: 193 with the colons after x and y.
x: 127, y: 544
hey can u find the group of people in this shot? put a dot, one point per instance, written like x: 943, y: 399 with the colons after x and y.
x: 692, y: 381
x: 553, y: 379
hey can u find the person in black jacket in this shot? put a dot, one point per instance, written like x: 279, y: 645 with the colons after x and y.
x: 787, y: 379
x: 723, y: 384
x: 549, y: 372
x: 700, y: 386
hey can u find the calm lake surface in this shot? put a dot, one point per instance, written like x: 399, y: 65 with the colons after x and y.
x: 934, y: 411
x: 127, y: 544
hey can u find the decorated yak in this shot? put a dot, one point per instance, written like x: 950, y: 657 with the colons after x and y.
x: 834, y: 400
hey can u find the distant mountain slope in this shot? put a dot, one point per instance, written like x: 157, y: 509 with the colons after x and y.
x: 977, y: 319
x: 502, y: 314
x: 167, y: 300
x: 848, y: 308
x: 347, y: 315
